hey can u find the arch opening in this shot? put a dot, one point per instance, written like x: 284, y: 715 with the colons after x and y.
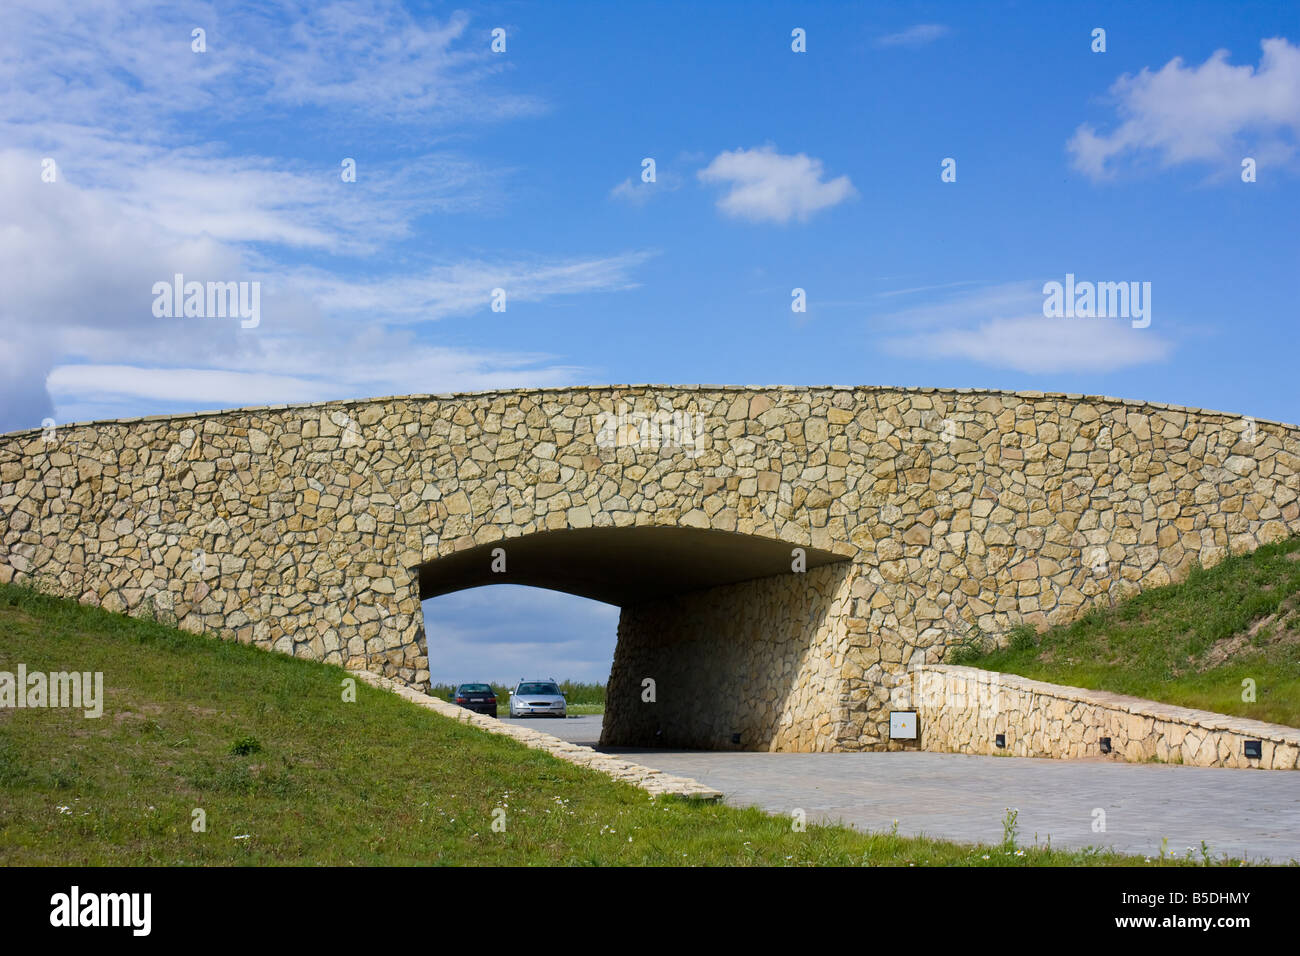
x: 720, y: 643
x: 619, y: 565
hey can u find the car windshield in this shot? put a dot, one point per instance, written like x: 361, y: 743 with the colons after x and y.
x: 538, y: 689
x: 475, y: 689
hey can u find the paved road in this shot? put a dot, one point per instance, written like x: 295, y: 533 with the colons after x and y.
x: 578, y: 730
x: 1245, y: 813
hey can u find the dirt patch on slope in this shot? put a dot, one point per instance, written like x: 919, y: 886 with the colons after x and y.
x: 1280, y: 629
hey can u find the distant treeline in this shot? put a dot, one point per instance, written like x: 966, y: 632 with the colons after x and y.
x: 575, y: 692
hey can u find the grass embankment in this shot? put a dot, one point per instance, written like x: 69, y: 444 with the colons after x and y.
x: 1192, y: 643
x: 287, y: 772
x: 582, y: 698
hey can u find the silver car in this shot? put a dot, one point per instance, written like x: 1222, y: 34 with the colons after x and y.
x: 534, y: 698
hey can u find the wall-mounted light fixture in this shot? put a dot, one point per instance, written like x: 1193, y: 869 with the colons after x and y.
x: 1000, y: 741
x: 1105, y: 745
x: 1254, y: 749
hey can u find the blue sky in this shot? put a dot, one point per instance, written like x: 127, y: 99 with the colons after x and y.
x: 522, y: 170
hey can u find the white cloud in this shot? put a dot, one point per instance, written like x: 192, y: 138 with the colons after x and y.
x: 925, y: 288
x: 124, y: 64
x: 918, y: 35
x: 1037, y: 344
x: 212, y: 388
x: 638, y: 193
x: 1003, y: 326
x: 1212, y: 113
x: 110, y: 93
x: 85, y: 260
x: 90, y: 274
x: 297, y: 372
x: 465, y: 287
x: 1003, y: 299
x: 633, y: 191
x: 767, y: 186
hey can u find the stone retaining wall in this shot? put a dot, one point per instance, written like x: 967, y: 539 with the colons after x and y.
x: 654, y: 782
x: 963, y: 709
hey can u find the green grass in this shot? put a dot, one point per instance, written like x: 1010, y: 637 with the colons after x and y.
x: 1191, y: 643
x: 287, y: 772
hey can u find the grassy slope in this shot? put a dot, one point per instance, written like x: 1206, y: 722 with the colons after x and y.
x: 1191, y: 643
x: 378, y: 781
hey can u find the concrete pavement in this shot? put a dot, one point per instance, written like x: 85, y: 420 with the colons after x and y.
x: 1252, y: 814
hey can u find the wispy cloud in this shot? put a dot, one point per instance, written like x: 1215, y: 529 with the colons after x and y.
x: 85, y: 260
x: 918, y: 35
x: 1003, y: 326
x: 120, y: 65
x: 1212, y: 113
x: 636, y: 192
x: 466, y: 286
x: 153, y: 179
x: 766, y: 186
x: 1005, y: 298
x: 294, y: 373
x: 926, y: 288
x: 1037, y: 344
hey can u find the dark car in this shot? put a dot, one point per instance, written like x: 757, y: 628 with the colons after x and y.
x: 480, y: 698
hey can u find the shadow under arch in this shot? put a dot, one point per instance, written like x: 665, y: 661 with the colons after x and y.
x: 619, y: 565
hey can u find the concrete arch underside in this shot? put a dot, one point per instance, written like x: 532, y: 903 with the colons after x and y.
x: 314, y: 529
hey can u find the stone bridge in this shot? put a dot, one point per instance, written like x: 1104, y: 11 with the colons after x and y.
x: 781, y: 555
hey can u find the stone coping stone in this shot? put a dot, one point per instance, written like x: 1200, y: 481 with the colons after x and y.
x: 655, y: 782
x: 558, y: 389
x: 1126, y: 704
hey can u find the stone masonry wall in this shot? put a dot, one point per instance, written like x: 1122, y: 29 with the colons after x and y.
x: 302, y: 528
x: 760, y: 659
x: 962, y: 709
